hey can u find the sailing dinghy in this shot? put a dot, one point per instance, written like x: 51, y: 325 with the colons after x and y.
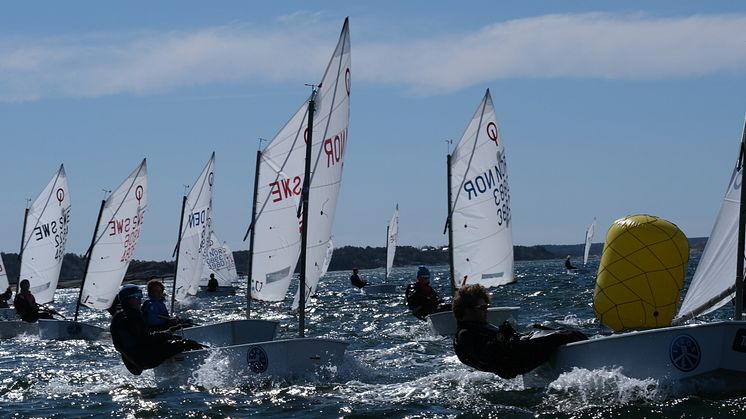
x: 588, y: 240
x: 480, y: 238
x: 392, y: 233
x: 219, y: 262
x: 45, y: 228
x: 308, y: 151
x: 192, y: 251
x: 698, y: 357
x: 112, y: 247
x: 5, y: 313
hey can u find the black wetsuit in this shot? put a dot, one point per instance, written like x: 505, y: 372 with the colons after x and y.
x: 505, y: 352
x: 356, y: 281
x: 27, y: 309
x: 4, y: 297
x: 422, y: 300
x: 212, y: 285
x: 141, y: 349
x: 568, y: 264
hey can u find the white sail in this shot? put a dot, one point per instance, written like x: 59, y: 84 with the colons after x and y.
x: 3, y: 277
x: 588, y: 240
x: 327, y: 258
x: 44, y: 238
x: 219, y: 261
x: 195, y: 233
x: 393, y: 233
x: 276, y: 227
x: 713, y: 283
x: 331, y: 122
x: 480, y: 209
x: 115, y: 239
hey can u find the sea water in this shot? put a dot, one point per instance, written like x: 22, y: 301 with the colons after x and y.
x: 394, y: 366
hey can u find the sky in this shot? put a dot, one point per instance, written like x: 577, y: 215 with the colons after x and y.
x: 606, y: 109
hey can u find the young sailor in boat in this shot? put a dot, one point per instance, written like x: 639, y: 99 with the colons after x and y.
x: 422, y: 299
x: 568, y: 264
x: 154, y: 309
x: 26, y: 306
x: 5, y: 297
x: 500, y: 350
x: 140, y: 348
x: 212, y: 283
x: 356, y: 280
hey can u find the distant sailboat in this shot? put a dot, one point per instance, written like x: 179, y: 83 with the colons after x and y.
x: 112, y: 247
x: 219, y: 262
x: 45, y: 228
x: 392, y: 233
x: 307, y: 151
x: 5, y: 313
x: 479, y: 217
x: 588, y: 241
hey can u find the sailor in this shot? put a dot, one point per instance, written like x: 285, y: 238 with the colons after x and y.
x: 5, y: 297
x: 26, y: 306
x: 422, y: 299
x: 356, y: 280
x: 568, y: 264
x: 154, y: 309
x: 212, y: 283
x: 500, y: 350
x: 142, y: 349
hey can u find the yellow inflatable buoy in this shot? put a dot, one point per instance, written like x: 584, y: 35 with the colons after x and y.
x: 641, y: 273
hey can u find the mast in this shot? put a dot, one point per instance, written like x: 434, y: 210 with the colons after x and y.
x: 251, y: 235
x: 449, y: 226
x: 176, y: 251
x: 304, y: 203
x: 88, y: 260
x: 741, y: 230
x: 20, y: 253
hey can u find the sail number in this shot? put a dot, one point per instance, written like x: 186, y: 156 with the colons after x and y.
x: 495, y: 181
x: 130, y: 229
x: 55, y: 230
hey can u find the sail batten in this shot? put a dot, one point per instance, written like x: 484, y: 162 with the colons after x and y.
x: 480, y: 219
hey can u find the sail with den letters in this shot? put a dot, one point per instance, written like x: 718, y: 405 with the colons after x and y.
x: 195, y: 232
x: 44, y: 238
x: 115, y: 239
x: 480, y: 216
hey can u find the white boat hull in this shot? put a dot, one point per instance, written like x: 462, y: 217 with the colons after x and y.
x: 234, y: 332
x: 12, y: 328
x: 220, y: 292
x: 444, y: 323
x: 380, y: 289
x: 277, y: 359
x: 694, y: 358
x: 68, y: 329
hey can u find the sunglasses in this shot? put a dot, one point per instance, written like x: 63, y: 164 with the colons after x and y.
x: 482, y: 307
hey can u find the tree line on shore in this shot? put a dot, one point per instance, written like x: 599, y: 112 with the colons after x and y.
x: 344, y: 258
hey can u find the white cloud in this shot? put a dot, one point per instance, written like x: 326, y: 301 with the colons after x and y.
x: 597, y: 45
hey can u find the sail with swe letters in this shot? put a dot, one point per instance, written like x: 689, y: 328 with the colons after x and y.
x: 481, y: 217
x: 44, y: 238
x: 195, y: 233
x: 330, y: 126
x: 115, y: 239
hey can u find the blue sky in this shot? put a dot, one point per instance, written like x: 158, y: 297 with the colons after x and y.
x: 606, y: 109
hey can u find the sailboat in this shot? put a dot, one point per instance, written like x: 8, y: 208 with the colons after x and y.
x: 5, y: 313
x: 392, y: 233
x: 112, y: 247
x: 480, y: 238
x: 45, y: 228
x: 696, y: 356
x: 299, y: 171
x: 219, y: 262
x: 192, y: 247
x: 588, y: 240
